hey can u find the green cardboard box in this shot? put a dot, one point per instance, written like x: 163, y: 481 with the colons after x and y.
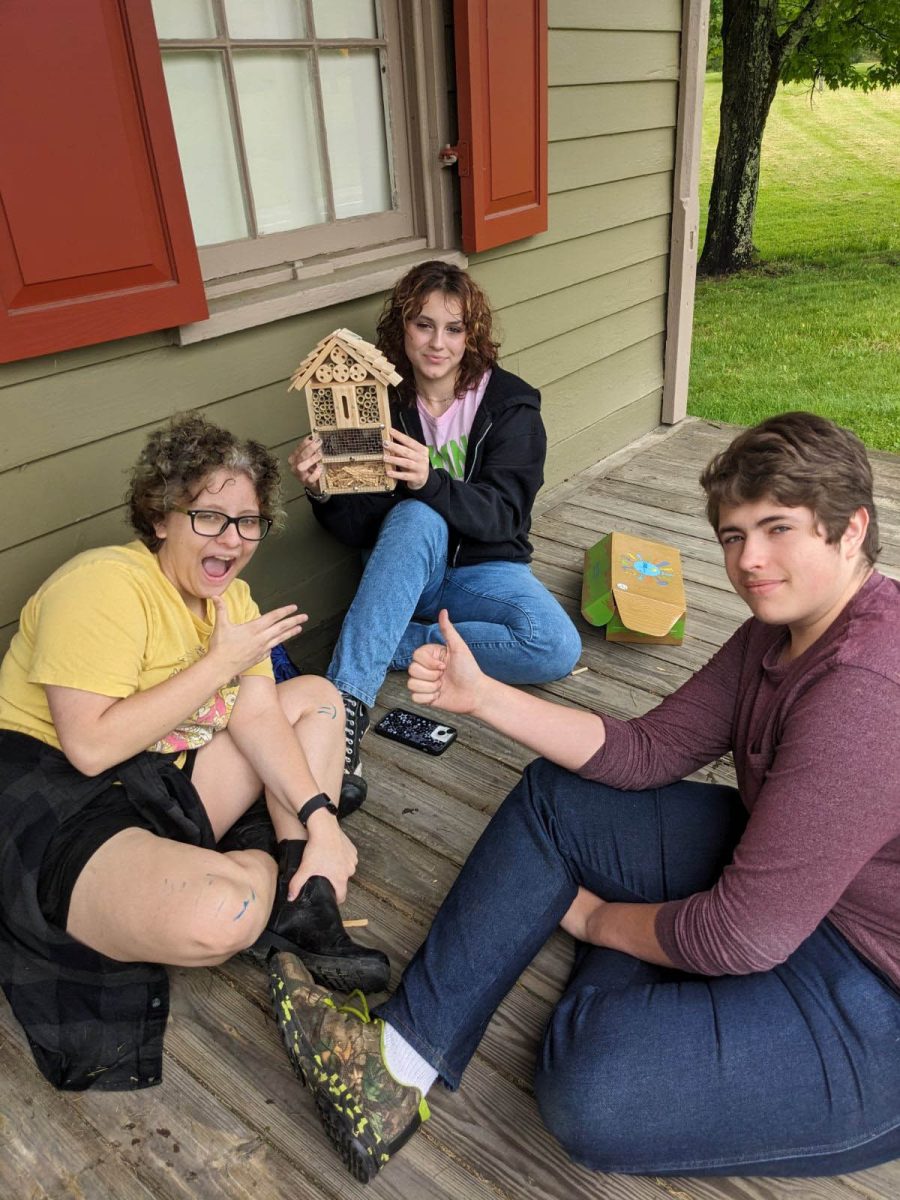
x: 635, y: 588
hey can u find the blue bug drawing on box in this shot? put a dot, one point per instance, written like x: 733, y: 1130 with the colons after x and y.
x: 662, y: 571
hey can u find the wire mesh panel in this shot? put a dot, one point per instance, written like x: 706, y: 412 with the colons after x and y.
x: 352, y: 441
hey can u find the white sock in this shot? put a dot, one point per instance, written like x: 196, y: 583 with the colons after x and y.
x: 405, y: 1064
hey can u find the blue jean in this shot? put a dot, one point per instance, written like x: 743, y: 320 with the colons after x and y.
x: 517, y: 631
x: 645, y: 1069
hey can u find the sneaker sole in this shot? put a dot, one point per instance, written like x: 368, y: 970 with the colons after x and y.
x: 338, y: 973
x: 344, y: 975
x: 361, y: 1156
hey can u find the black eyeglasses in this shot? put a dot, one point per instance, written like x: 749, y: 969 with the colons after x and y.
x: 212, y: 524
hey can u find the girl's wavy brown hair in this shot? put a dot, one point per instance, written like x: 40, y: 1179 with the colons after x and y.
x: 406, y: 302
x: 179, y: 458
x: 798, y: 459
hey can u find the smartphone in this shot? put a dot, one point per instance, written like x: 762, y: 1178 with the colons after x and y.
x: 422, y: 733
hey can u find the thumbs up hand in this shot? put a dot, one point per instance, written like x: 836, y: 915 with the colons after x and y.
x: 446, y: 675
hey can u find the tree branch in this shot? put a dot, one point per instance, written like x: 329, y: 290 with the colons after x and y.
x: 793, y: 35
x: 877, y: 34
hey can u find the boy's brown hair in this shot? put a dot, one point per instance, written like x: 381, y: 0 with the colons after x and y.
x: 797, y: 458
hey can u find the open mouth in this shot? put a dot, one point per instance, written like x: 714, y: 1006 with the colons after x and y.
x: 217, y: 568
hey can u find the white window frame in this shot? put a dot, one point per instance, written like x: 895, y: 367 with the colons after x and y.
x: 256, y: 280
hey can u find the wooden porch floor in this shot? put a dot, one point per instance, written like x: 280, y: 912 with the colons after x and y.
x: 230, y: 1121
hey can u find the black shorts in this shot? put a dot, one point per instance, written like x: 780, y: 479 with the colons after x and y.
x: 79, y: 838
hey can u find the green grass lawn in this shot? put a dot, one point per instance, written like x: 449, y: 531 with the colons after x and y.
x: 817, y: 325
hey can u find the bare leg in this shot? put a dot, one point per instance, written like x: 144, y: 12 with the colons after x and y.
x: 141, y: 898
x: 315, y: 709
x: 227, y: 783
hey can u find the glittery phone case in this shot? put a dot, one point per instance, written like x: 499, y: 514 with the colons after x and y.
x: 421, y: 733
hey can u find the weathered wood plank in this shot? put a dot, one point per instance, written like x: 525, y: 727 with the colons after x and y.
x: 613, y: 488
x: 881, y: 1183
x: 45, y: 1148
x: 175, y: 1138
x: 690, y: 533
x: 847, y: 1187
x: 241, y: 1121
x: 512, y: 1037
x: 702, y: 565
x: 475, y: 779
x: 673, y: 475
x: 502, y: 1135
x: 232, y: 1047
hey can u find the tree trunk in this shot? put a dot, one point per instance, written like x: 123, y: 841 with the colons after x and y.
x: 750, y: 67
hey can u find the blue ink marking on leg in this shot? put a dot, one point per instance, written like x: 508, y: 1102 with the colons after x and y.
x: 246, y: 905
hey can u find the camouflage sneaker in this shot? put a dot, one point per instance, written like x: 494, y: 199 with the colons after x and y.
x: 337, y: 1052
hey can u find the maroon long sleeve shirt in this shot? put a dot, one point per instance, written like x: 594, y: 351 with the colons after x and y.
x: 815, y: 744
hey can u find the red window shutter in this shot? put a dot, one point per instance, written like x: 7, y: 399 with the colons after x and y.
x: 501, y: 79
x: 95, y: 235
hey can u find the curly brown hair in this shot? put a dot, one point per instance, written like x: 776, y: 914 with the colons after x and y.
x: 799, y: 459
x: 176, y: 462
x: 405, y: 303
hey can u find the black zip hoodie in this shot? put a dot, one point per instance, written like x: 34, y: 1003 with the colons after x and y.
x: 488, y: 511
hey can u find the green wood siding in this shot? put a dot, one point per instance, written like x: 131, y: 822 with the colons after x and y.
x: 580, y: 308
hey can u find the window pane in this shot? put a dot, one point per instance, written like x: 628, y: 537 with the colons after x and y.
x: 357, y: 135
x: 276, y: 101
x: 184, y: 18
x: 206, y: 148
x: 265, y: 18
x: 344, y: 18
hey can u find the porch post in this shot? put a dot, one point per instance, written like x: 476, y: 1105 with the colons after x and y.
x: 683, y: 246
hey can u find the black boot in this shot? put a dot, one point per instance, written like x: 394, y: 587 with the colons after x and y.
x: 311, y: 928
x: 253, y: 830
x: 354, y: 790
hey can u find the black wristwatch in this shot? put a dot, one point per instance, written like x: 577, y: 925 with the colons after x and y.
x: 313, y: 805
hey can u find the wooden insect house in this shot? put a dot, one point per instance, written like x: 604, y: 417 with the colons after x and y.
x: 346, y: 383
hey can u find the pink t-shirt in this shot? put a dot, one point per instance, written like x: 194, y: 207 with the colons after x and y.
x: 447, y: 436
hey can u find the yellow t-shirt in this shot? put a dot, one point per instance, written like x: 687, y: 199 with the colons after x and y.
x: 109, y: 621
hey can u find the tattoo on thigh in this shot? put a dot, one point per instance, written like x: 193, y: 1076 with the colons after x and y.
x: 246, y: 905
x: 327, y: 710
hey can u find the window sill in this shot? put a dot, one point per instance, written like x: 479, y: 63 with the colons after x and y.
x: 332, y: 282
